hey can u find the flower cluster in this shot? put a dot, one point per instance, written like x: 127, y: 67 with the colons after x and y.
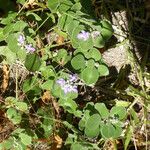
x: 69, y: 85
x: 22, y: 42
x: 83, y: 35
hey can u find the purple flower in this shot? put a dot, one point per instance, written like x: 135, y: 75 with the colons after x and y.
x: 61, y: 82
x: 72, y: 78
x: 74, y: 89
x: 83, y: 35
x: 68, y: 86
x: 21, y: 40
x: 29, y: 48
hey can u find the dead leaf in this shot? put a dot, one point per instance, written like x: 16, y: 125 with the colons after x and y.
x: 30, y: 4
x: 58, y: 140
x: 39, y: 42
x: 60, y: 40
x: 47, y: 97
x: 5, y: 78
x: 56, y: 106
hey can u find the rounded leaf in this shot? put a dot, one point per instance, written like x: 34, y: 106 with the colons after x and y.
x: 118, y: 131
x: 32, y: 62
x: 90, y: 75
x: 93, y: 53
x: 102, y: 109
x: 103, y: 70
x: 13, y: 115
x: 99, y: 42
x: 78, y: 62
x: 69, y: 105
x: 21, y: 106
x: 62, y: 56
x: 107, y: 131
x: 107, y: 30
x: 90, y: 63
x: 92, y: 126
x: 119, y: 112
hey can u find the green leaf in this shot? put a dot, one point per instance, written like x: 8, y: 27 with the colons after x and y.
x: 32, y: 62
x: 103, y: 70
x: 119, y: 112
x: 31, y: 87
x: 76, y: 7
x: 90, y: 63
x: 128, y: 136
x: 76, y: 30
x: 71, y: 25
x: 79, y: 50
x: 68, y: 104
x: 13, y: 115
x: 10, y: 17
x: 7, y: 144
x: 117, y: 132
x: 84, y: 119
x: 65, y: 6
x: 62, y: 57
x: 47, y: 85
x: 77, y: 146
x: 63, y: 21
x: 99, y: 41
x: 6, y: 52
x: 85, y: 44
x: 107, y: 30
x: 88, y: 44
x: 47, y: 71
x: 70, y: 139
x: 21, y: 106
x: 93, y: 126
x: 57, y: 91
x: 37, y: 17
x: 25, y: 139
x: 53, y: 5
x: 13, y: 43
x: 10, y: 101
x: 107, y: 131
x: 17, y: 131
x: 134, y: 116
x: 102, y: 109
x: 48, y: 130
x: 8, y: 29
x: 78, y: 62
x: 90, y: 75
x: 2, y: 36
x: 21, y: 1
x: 93, y: 53
x: 19, y: 26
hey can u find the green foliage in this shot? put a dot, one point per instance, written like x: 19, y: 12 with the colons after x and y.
x: 78, y: 62
x: 32, y: 62
x: 90, y: 75
x: 13, y: 115
x: 58, y: 43
x: 92, y: 126
x: 103, y: 123
x: 25, y: 139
